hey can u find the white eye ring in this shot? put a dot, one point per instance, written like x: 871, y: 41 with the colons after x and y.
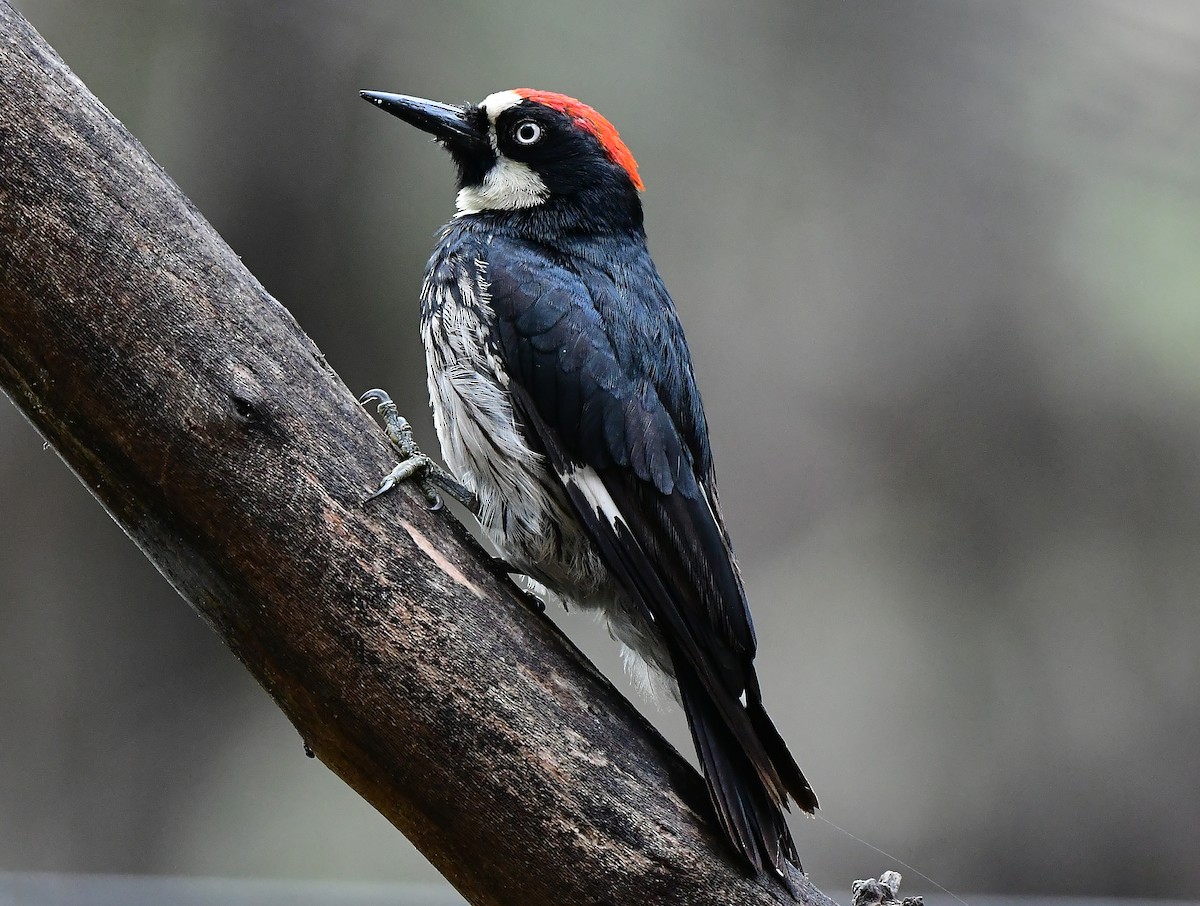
x: 527, y: 133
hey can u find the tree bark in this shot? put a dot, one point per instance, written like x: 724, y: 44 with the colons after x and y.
x: 209, y: 426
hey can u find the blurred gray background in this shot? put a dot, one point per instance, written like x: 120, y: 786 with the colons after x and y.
x: 939, y: 263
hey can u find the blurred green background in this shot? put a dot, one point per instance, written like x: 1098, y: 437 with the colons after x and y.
x: 939, y: 263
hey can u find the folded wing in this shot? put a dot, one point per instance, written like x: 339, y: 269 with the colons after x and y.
x: 601, y: 381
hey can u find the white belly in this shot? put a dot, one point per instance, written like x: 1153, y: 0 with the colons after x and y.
x: 523, y: 509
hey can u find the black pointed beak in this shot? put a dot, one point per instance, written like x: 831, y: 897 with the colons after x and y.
x: 448, y: 124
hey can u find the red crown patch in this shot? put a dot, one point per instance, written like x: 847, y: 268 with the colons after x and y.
x: 604, y: 131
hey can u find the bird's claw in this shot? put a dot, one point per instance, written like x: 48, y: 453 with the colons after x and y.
x: 414, y: 465
x: 398, y: 430
x: 415, y: 468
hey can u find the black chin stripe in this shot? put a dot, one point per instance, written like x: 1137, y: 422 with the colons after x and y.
x: 474, y: 165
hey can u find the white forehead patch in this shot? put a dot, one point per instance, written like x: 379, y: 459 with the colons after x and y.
x: 495, y: 104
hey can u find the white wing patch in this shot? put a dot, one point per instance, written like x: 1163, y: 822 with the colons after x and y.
x: 594, y: 491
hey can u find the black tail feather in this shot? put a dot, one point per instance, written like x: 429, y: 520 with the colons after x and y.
x: 785, y: 764
x: 750, y: 811
x: 661, y: 548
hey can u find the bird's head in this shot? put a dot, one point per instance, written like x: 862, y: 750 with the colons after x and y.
x: 523, y: 148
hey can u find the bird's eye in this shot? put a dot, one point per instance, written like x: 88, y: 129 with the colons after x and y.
x: 528, y: 133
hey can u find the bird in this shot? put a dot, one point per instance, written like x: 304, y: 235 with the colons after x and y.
x: 567, y: 410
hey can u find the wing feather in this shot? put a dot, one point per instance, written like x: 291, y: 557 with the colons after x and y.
x: 618, y: 415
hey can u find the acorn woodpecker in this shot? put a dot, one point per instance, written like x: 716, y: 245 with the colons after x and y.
x: 567, y: 410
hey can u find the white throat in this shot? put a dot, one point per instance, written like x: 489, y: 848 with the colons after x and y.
x: 507, y: 186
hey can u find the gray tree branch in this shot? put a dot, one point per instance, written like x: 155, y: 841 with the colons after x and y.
x: 211, y: 429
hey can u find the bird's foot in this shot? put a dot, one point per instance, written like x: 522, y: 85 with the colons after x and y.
x: 414, y: 465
